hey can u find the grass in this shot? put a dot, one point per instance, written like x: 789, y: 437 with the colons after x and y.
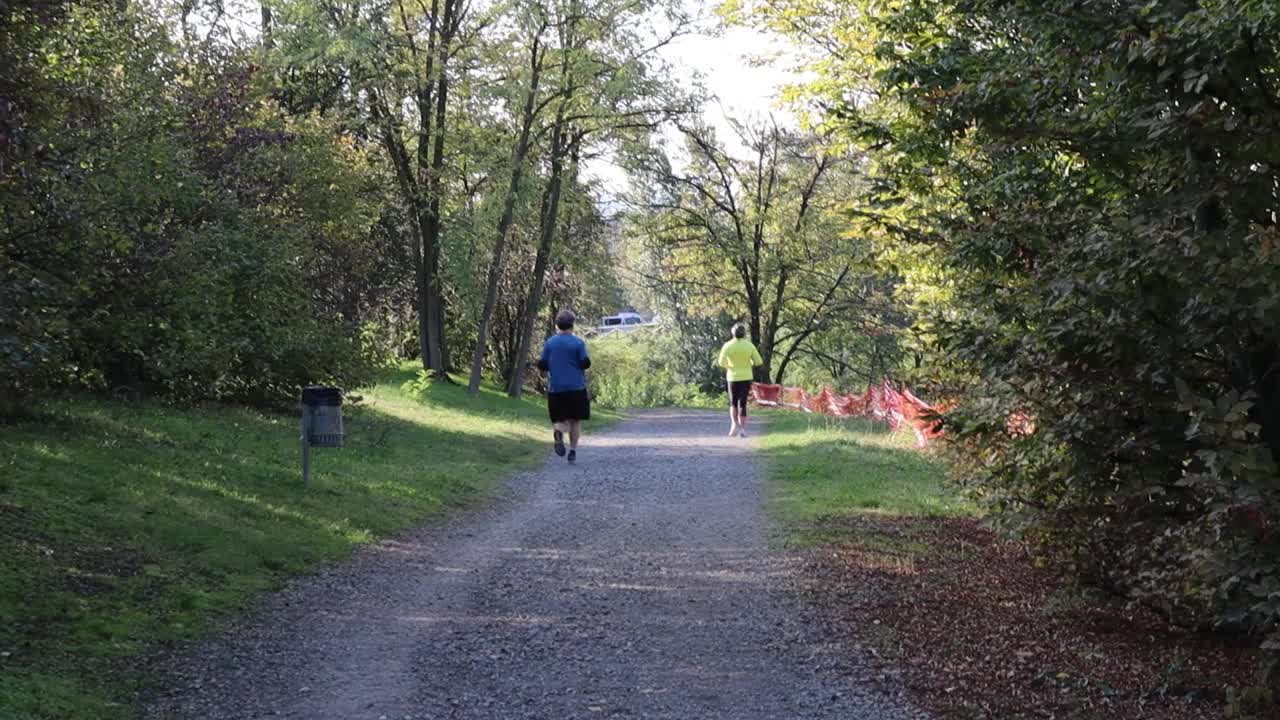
x: 124, y: 527
x: 826, y: 471
x: 858, y: 492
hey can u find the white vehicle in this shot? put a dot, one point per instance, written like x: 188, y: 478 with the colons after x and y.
x: 622, y: 322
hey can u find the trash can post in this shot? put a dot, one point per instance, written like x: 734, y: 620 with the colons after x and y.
x: 306, y: 446
x: 321, y: 422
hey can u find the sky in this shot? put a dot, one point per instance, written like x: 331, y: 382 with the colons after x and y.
x: 738, y: 87
x: 725, y: 62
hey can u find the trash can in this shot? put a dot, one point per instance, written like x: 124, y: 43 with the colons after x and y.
x: 322, y: 416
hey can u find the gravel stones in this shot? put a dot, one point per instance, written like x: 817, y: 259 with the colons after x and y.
x: 635, y: 584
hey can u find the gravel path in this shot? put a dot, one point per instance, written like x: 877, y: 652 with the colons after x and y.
x: 636, y: 584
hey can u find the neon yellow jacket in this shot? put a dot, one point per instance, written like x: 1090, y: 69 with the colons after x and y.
x: 737, y: 357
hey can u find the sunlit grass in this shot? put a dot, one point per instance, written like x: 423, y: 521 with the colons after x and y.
x: 124, y: 526
x: 822, y: 469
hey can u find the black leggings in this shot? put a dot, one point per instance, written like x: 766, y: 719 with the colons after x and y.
x: 739, y: 392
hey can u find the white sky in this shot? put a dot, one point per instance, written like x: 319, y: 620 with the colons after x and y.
x: 739, y: 87
x: 742, y: 87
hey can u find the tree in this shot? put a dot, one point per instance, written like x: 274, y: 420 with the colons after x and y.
x: 398, y: 61
x: 595, y: 73
x: 605, y: 94
x: 1089, y: 239
x: 757, y: 237
x: 534, y: 25
x: 163, y: 223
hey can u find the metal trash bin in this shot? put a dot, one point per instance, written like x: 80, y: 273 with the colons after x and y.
x: 322, y: 415
x: 321, y: 422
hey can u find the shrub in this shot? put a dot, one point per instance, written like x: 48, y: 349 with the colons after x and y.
x: 632, y: 371
x: 1093, y: 244
x: 166, y: 227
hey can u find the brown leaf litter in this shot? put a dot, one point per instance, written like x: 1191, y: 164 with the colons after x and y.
x: 978, y: 630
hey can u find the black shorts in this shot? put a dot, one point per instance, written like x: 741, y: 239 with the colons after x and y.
x: 739, y: 393
x: 569, y: 405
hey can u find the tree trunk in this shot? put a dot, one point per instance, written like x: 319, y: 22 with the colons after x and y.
x: 409, y: 191
x: 267, y: 41
x: 442, y: 312
x: 432, y: 298
x: 509, y: 361
x: 761, y: 372
x: 412, y: 186
x: 770, y: 331
x: 1265, y: 363
x: 429, y: 229
x: 812, y: 324
x: 548, y: 231
x: 495, y: 272
x: 782, y: 369
x: 518, y: 156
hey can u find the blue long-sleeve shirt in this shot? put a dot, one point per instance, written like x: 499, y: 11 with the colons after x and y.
x: 564, y: 356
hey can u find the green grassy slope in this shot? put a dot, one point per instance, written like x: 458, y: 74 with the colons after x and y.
x: 126, y: 525
x: 823, y: 470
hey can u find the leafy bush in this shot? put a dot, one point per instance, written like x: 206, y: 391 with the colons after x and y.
x: 165, y: 227
x: 632, y: 370
x: 1090, y: 237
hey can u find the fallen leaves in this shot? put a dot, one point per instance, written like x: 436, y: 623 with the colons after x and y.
x: 980, y: 631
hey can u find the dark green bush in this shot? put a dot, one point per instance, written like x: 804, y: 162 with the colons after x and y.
x: 1083, y: 198
x: 166, y: 228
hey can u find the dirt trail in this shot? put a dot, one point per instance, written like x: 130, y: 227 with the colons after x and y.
x: 635, y: 584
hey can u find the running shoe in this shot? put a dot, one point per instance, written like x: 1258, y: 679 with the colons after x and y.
x: 559, y: 443
x: 573, y: 455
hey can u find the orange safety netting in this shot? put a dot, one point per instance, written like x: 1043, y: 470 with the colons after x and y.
x: 882, y: 402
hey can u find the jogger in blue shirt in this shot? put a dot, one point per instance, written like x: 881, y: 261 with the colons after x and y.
x: 564, y: 357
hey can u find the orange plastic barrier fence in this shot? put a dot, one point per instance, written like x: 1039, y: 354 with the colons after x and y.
x: 882, y: 402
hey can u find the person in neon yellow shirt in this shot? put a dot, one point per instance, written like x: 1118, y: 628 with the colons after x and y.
x: 739, y: 357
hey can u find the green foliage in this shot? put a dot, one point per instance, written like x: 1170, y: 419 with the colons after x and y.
x: 130, y: 525
x: 636, y: 370
x: 1082, y: 199
x: 194, y: 212
x: 165, y: 227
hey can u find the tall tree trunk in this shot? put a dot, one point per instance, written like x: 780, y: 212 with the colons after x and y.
x: 409, y: 190
x: 267, y: 41
x: 432, y: 296
x: 783, y: 275
x: 518, y: 156
x: 427, y: 258
x: 770, y: 330
x: 411, y: 183
x: 1265, y: 367
x: 509, y: 362
x: 811, y: 324
x: 760, y: 372
x: 441, y: 313
x: 548, y: 231
x: 427, y: 340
